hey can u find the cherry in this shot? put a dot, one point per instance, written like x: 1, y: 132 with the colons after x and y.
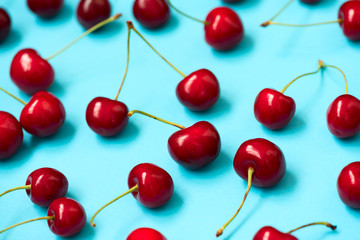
x: 45, y: 8
x: 65, y: 217
x: 91, y: 12
x: 193, y: 147
x: 145, y: 234
x: 43, y: 186
x: 349, y: 13
x: 149, y: 184
x: 11, y: 135
x: 270, y: 233
x: 151, y: 13
x: 32, y: 73
x: 275, y: 110
x: 348, y: 185
x: 5, y: 24
x: 261, y: 163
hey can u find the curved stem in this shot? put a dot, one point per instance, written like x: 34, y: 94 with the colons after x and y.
x: 186, y: 15
x: 90, y: 30
x: 32, y: 220
x: 250, y: 177
x: 299, y: 25
x: 156, y: 118
x: 321, y: 65
x: 312, y: 224
x: 278, y: 13
x: 127, y: 65
x: 131, y: 26
x: 14, y: 189
x: 346, y: 85
x: 23, y: 102
x: 133, y: 189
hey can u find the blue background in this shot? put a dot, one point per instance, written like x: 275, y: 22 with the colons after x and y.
x: 97, y: 168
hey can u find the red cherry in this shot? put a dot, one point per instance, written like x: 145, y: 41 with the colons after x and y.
x: 11, y: 135
x: 224, y: 29
x: 343, y: 116
x: 349, y: 13
x: 5, y: 24
x: 195, y: 146
x: 273, y: 109
x: 145, y: 234
x: 45, y: 8
x: 151, y: 13
x: 43, y: 115
x: 107, y: 117
x: 348, y: 185
x: 198, y: 91
x: 30, y: 72
x: 91, y: 12
x: 149, y: 184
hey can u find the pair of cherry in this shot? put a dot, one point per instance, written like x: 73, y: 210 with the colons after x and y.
x: 348, y: 18
x: 47, y: 187
x: 275, y: 110
x: 223, y: 27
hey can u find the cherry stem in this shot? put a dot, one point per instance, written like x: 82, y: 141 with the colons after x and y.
x: 321, y: 65
x: 312, y: 224
x: 133, y: 189
x: 265, y: 24
x: 23, y: 102
x: 14, y: 189
x: 186, y: 15
x: 90, y: 30
x: 131, y: 26
x: 32, y: 220
x: 346, y: 85
x: 250, y: 177
x: 156, y: 118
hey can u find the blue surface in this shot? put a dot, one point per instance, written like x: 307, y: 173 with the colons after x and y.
x: 97, y: 168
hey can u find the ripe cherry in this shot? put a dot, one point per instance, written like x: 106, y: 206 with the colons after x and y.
x: 261, y: 163
x: 270, y: 233
x: 65, y: 217
x: 91, y: 12
x: 149, y: 184
x: 45, y: 8
x: 348, y: 185
x: 145, y: 234
x: 32, y: 73
x: 275, y: 110
x: 43, y: 186
x: 5, y: 24
x: 11, y: 135
x: 193, y: 147
x: 151, y: 13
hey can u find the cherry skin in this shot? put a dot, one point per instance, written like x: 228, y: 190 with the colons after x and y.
x: 273, y: 109
x: 45, y: 8
x: 270, y: 233
x: 70, y: 217
x: 30, y: 72
x: 106, y: 117
x: 343, y: 116
x: 11, y: 135
x: 348, y: 185
x: 145, y: 234
x: 91, y: 12
x: 5, y: 24
x: 199, y: 90
x: 264, y: 157
x: 156, y: 186
x: 195, y: 146
x: 224, y: 29
x: 43, y: 115
x: 47, y: 184
x: 151, y: 13
x: 349, y: 13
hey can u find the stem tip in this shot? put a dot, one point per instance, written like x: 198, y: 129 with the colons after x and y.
x: 129, y: 24
x: 219, y: 232
x: 321, y: 63
x: 93, y: 224
x: 118, y: 15
x: 333, y: 227
x: 265, y: 24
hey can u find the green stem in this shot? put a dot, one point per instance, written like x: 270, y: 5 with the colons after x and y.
x: 312, y: 224
x: 156, y: 118
x: 186, y: 15
x: 23, y: 102
x: 32, y: 220
x: 346, y: 85
x: 14, y: 189
x: 299, y: 25
x: 278, y: 13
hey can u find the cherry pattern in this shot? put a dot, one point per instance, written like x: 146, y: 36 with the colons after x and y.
x: 91, y: 12
x: 145, y: 234
x: 348, y: 185
x: 151, y: 13
x: 11, y: 135
x: 45, y: 8
x: 5, y: 24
